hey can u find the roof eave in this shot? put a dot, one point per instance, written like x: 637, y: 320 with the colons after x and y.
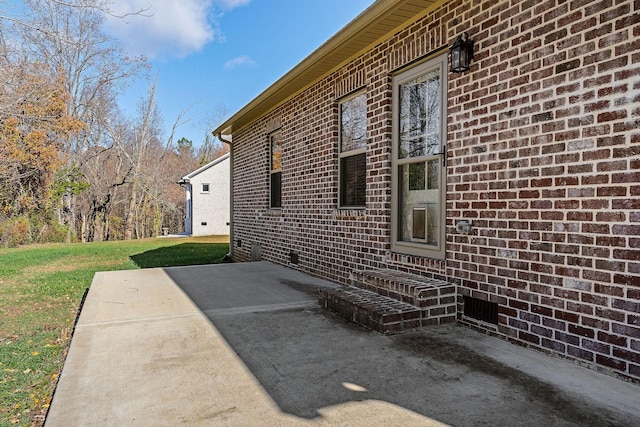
x: 311, y: 69
x: 187, y: 178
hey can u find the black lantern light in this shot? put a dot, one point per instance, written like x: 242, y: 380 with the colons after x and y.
x: 461, y: 53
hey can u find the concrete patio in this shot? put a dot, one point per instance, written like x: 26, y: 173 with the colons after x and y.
x: 248, y: 344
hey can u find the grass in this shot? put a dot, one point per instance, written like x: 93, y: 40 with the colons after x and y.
x: 41, y: 287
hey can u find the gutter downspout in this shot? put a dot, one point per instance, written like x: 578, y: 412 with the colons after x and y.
x: 229, y: 256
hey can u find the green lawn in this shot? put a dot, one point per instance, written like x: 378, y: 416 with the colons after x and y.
x: 41, y: 287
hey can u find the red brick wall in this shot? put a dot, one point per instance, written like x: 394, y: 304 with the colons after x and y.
x: 543, y: 157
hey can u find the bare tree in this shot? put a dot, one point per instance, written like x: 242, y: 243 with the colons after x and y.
x: 211, y: 149
x: 147, y: 175
x: 95, y: 67
x: 105, y: 7
x: 125, y: 169
x: 68, y: 37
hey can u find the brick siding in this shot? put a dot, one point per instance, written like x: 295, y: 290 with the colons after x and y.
x: 543, y: 158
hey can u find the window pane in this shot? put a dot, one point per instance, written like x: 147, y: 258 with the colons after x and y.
x: 276, y: 151
x: 419, y: 120
x: 276, y: 189
x: 433, y: 224
x: 416, y: 176
x: 353, y: 180
x: 433, y: 176
x: 353, y: 123
x: 418, y: 202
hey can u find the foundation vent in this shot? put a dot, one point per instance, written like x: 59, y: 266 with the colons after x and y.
x: 478, y: 309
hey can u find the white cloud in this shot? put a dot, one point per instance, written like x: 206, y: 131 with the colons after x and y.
x: 232, y: 4
x: 239, y: 61
x: 170, y: 28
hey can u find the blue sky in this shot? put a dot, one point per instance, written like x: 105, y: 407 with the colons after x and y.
x: 212, y: 53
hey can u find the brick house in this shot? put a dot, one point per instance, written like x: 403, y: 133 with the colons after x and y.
x: 207, y: 191
x: 516, y: 181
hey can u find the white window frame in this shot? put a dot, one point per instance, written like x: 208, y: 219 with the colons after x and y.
x: 202, y: 190
x: 423, y: 249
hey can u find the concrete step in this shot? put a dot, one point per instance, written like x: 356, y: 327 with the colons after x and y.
x: 392, y: 302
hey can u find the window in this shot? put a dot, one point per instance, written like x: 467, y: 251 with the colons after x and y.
x: 275, y: 143
x: 353, y: 157
x: 418, y: 174
x: 205, y: 188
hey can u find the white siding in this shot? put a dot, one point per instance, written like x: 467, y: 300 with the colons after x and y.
x: 210, y: 211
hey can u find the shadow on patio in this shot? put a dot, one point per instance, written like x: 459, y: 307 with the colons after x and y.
x: 309, y: 360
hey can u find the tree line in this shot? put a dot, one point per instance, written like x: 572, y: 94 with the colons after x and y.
x: 73, y: 167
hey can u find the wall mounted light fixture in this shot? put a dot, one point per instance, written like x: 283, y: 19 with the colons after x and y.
x: 464, y: 226
x: 461, y: 53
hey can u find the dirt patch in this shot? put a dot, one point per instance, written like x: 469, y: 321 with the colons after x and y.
x: 210, y: 239
x: 72, y: 264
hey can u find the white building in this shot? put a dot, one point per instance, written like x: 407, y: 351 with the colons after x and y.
x: 208, y: 195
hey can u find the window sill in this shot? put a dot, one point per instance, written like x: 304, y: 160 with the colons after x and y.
x: 418, y: 250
